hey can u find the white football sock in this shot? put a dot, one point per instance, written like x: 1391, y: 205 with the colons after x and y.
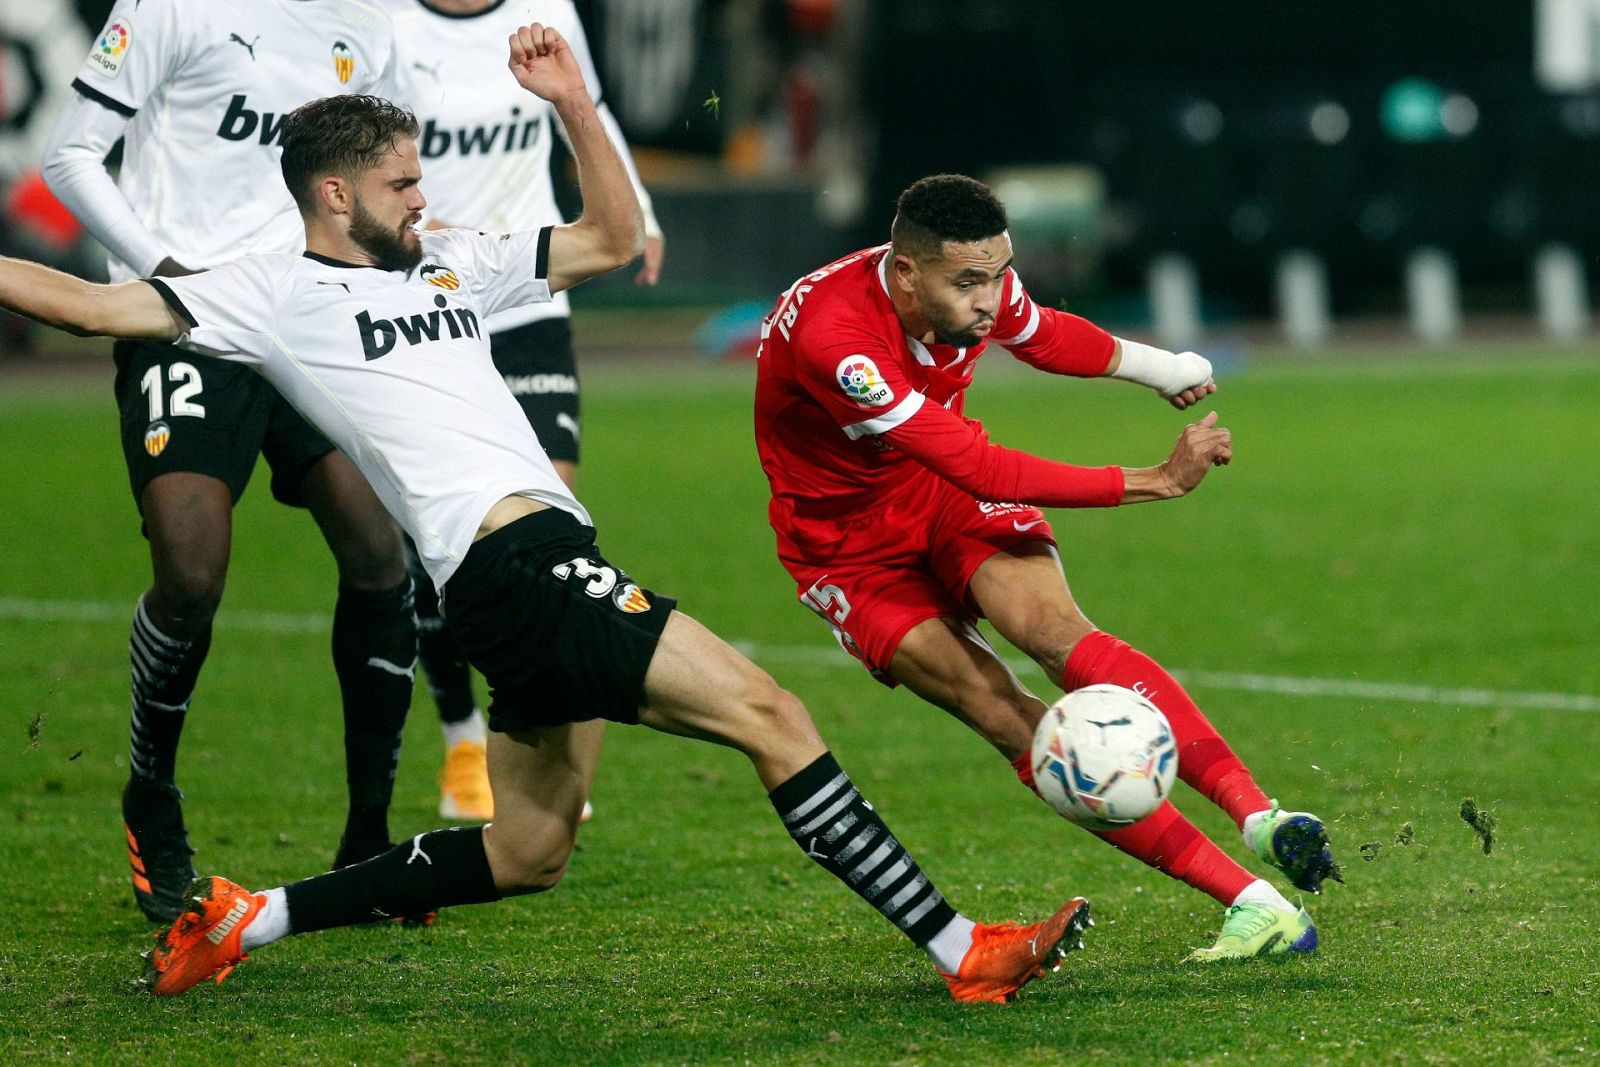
x: 270, y: 923
x: 472, y: 728
x: 1263, y: 892
x: 1248, y: 827
x: 950, y: 945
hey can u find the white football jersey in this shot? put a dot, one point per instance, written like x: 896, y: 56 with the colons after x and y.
x: 394, y: 368
x: 485, y: 140
x: 206, y: 84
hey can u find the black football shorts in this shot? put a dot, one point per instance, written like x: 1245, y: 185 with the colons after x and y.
x: 182, y: 411
x: 538, y: 365
x: 560, y: 635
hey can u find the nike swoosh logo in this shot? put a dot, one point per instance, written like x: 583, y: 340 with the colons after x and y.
x: 1021, y: 527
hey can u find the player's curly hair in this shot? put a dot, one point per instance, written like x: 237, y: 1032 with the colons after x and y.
x: 339, y: 135
x: 944, y: 207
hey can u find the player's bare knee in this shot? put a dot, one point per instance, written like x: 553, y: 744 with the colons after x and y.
x: 772, y: 714
x: 187, y: 591
x: 370, y: 558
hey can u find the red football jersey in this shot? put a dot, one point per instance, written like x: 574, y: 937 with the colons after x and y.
x: 849, y: 409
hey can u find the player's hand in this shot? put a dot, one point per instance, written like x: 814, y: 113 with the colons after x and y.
x: 1192, y: 395
x: 655, y: 249
x: 1201, y: 446
x: 543, y: 63
x: 171, y: 268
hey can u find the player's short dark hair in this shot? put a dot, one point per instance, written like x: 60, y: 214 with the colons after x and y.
x: 340, y: 135
x: 945, y: 207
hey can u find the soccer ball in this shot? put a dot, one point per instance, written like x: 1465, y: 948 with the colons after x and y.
x: 1104, y: 757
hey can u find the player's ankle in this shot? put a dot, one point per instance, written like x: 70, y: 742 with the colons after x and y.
x: 1251, y: 824
x: 951, y: 945
x: 268, y: 924
x: 1264, y: 893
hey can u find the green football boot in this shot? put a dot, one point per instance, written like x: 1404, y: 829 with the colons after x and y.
x: 1296, y: 843
x: 1252, y: 930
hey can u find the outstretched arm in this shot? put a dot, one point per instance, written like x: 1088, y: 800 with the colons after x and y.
x: 131, y: 309
x: 611, y: 231
x: 959, y: 452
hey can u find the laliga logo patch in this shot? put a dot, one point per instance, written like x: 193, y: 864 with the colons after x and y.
x: 344, y: 62
x: 106, y: 57
x: 631, y: 598
x: 156, y: 438
x: 859, y: 378
x: 443, y: 277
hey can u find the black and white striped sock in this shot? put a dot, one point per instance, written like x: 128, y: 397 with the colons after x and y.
x: 164, y: 674
x: 831, y: 821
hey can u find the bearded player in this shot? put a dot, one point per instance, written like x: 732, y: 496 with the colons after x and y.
x: 902, y: 525
x: 487, y: 147
x: 376, y: 334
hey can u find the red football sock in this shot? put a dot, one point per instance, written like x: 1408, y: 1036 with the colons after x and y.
x: 1024, y: 768
x: 1173, y: 845
x: 1204, y: 759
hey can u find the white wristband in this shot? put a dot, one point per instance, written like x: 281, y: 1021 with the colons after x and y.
x: 1168, y: 373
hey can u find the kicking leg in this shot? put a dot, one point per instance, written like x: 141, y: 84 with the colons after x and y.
x: 1024, y: 593
x: 698, y: 686
x: 950, y: 665
x: 374, y: 644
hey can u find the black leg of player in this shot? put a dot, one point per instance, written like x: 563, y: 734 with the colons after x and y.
x: 374, y: 653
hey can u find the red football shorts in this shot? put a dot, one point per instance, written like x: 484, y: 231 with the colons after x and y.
x: 873, y: 576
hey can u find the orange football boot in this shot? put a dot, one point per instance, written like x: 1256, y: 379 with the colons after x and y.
x: 464, y: 794
x: 204, y: 942
x: 1005, y: 957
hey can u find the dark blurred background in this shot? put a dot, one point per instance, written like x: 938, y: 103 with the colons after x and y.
x: 1169, y: 165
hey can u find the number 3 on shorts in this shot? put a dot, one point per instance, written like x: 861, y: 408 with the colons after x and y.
x: 598, y: 579
x: 181, y: 400
x: 828, y: 601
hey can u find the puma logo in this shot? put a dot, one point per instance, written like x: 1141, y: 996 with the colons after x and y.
x: 432, y: 72
x: 416, y: 850
x: 229, y: 921
x: 248, y: 46
x: 408, y: 673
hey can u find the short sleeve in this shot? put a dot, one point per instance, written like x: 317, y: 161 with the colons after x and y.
x: 858, y: 380
x: 139, y: 50
x: 230, y: 310
x: 503, y: 270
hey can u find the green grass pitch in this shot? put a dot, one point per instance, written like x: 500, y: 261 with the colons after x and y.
x: 1401, y: 520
